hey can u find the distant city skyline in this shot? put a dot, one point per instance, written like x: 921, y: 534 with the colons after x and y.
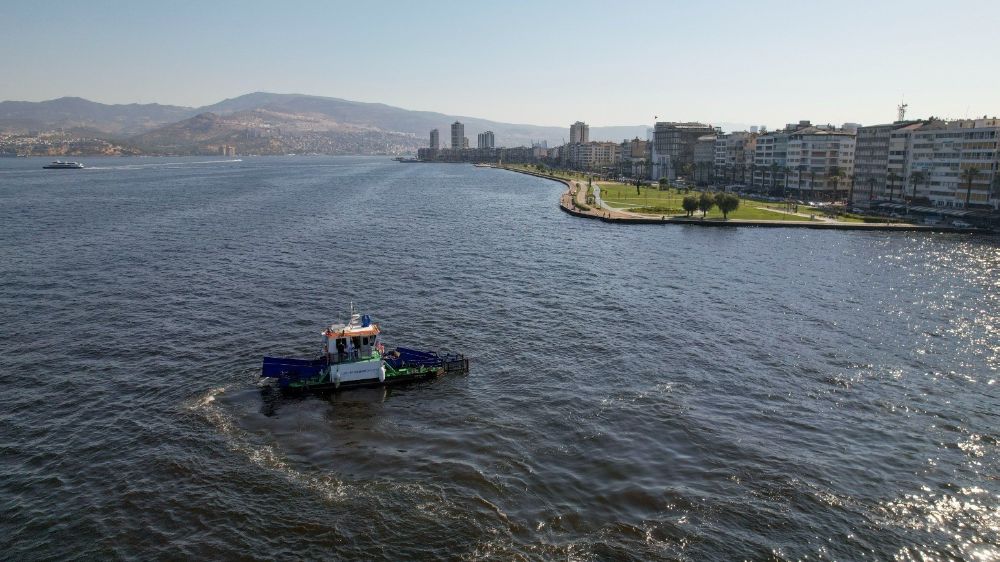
x: 768, y: 63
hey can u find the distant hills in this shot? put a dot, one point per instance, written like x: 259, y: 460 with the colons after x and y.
x: 265, y: 123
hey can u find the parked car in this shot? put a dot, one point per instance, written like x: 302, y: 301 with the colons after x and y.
x: 961, y: 224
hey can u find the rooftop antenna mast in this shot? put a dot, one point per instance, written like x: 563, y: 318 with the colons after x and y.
x: 901, y: 110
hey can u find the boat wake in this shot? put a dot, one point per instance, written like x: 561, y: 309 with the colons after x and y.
x: 265, y: 456
x: 213, y: 407
x: 164, y: 165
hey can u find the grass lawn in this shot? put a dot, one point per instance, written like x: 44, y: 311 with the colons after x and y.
x: 575, y: 176
x: 668, y: 202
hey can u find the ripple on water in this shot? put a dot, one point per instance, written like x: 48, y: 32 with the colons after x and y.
x: 636, y: 393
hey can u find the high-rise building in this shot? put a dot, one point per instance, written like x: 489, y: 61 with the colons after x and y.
x: 435, y: 139
x: 457, y: 135
x: 485, y: 140
x: 579, y: 132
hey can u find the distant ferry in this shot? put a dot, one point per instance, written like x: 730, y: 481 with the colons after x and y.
x: 60, y: 165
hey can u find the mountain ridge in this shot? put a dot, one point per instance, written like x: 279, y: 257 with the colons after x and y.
x: 125, y: 121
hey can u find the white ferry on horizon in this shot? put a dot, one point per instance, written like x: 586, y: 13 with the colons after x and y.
x: 60, y: 165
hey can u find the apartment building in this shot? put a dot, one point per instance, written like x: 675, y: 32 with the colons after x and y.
x: 673, y: 146
x: 770, y: 153
x: 634, y: 157
x: 704, y: 159
x: 593, y: 155
x: 819, y: 162
x: 733, y: 154
x: 928, y: 161
x: 871, y: 159
x: 941, y: 155
x: 435, y: 139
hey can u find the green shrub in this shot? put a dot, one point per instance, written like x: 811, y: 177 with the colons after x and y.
x: 656, y: 210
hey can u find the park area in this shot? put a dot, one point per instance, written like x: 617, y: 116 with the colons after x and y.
x: 650, y: 200
x: 653, y: 201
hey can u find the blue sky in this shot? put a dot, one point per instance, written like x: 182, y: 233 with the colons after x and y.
x: 547, y: 63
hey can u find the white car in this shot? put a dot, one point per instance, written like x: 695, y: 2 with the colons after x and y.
x: 961, y: 224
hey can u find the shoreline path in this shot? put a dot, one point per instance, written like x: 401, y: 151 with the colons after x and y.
x: 573, y: 201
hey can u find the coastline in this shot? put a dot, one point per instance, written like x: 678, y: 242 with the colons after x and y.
x: 566, y: 203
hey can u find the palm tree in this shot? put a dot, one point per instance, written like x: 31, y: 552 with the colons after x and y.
x: 835, y: 173
x: 995, y: 192
x: 891, y: 180
x: 812, y: 182
x: 871, y: 189
x: 774, y: 167
x: 969, y: 175
x: 916, y: 178
x: 802, y: 169
x: 784, y: 172
x: 686, y: 170
x: 753, y: 172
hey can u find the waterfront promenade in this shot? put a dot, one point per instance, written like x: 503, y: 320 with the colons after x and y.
x: 573, y: 202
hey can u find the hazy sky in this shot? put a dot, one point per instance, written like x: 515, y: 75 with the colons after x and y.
x: 546, y: 63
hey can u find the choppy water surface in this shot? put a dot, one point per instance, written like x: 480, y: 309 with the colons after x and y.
x: 636, y: 391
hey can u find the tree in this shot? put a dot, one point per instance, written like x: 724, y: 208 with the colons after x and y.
x: 705, y: 203
x: 690, y: 204
x: 996, y: 187
x: 663, y: 183
x: 835, y: 173
x: 916, y: 178
x: 891, y: 180
x: 784, y: 172
x: 802, y: 169
x: 969, y: 175
x: 774, y: 167
x: 727, y: 203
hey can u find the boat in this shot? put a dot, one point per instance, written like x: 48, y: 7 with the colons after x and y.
x: 354, y: 356
x: 60, y: 165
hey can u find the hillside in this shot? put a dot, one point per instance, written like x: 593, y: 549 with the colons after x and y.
x: 165, y: 128
x: 70, y: 112
x: 265, y: 131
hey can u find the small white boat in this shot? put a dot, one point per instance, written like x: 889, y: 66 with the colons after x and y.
x: 60, y: 165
